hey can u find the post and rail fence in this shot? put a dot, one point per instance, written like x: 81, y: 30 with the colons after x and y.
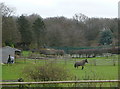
x: 60, y: 82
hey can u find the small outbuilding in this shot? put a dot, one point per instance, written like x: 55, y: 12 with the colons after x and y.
x: 6, y: 51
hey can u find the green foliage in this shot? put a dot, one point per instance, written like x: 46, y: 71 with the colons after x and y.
x: 47, y: 72
x: 26, y: 53
x: 9, y: 43
x: 39, y: 30
x: 24, y: 26
x: 10, y: 34
x: 106, y: 37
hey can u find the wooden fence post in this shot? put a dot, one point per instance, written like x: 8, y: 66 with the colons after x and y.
x: 21, y: 85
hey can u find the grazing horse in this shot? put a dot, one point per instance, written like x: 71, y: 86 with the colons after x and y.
x: 80, y: 63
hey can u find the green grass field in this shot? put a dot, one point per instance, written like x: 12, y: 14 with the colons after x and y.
x: 104, y: 69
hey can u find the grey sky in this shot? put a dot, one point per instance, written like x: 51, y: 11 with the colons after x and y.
x: 67, y: 8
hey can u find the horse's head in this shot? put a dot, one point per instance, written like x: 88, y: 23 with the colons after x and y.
x: 86, y: 61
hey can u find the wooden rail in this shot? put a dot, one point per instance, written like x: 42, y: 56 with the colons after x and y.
x: 59, y: 82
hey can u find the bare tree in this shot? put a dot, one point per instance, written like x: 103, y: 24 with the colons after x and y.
x: 80, y: 17
x: 5, y: 10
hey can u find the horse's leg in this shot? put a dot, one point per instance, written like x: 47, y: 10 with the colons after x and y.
x: 82, y: 67
x: 77, y: 67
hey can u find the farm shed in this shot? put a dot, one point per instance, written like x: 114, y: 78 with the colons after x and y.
x: 6, y: 51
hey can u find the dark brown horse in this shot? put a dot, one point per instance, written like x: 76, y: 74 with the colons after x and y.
x: 80, y: 63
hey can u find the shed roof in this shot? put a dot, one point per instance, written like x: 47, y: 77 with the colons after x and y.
x: 10, y: 48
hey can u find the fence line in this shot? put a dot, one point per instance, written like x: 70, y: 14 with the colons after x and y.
x: 60, y: 82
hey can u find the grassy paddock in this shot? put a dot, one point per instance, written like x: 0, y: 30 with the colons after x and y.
x: 103, y: 70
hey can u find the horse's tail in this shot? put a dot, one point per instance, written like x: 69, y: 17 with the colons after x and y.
x: 75, y: 65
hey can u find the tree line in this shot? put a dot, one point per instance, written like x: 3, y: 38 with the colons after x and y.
x: 33, y: 31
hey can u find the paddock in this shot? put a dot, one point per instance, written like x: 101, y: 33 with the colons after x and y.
x: 98, y: 68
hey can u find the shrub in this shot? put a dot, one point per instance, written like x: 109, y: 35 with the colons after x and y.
x: 48, y: 72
